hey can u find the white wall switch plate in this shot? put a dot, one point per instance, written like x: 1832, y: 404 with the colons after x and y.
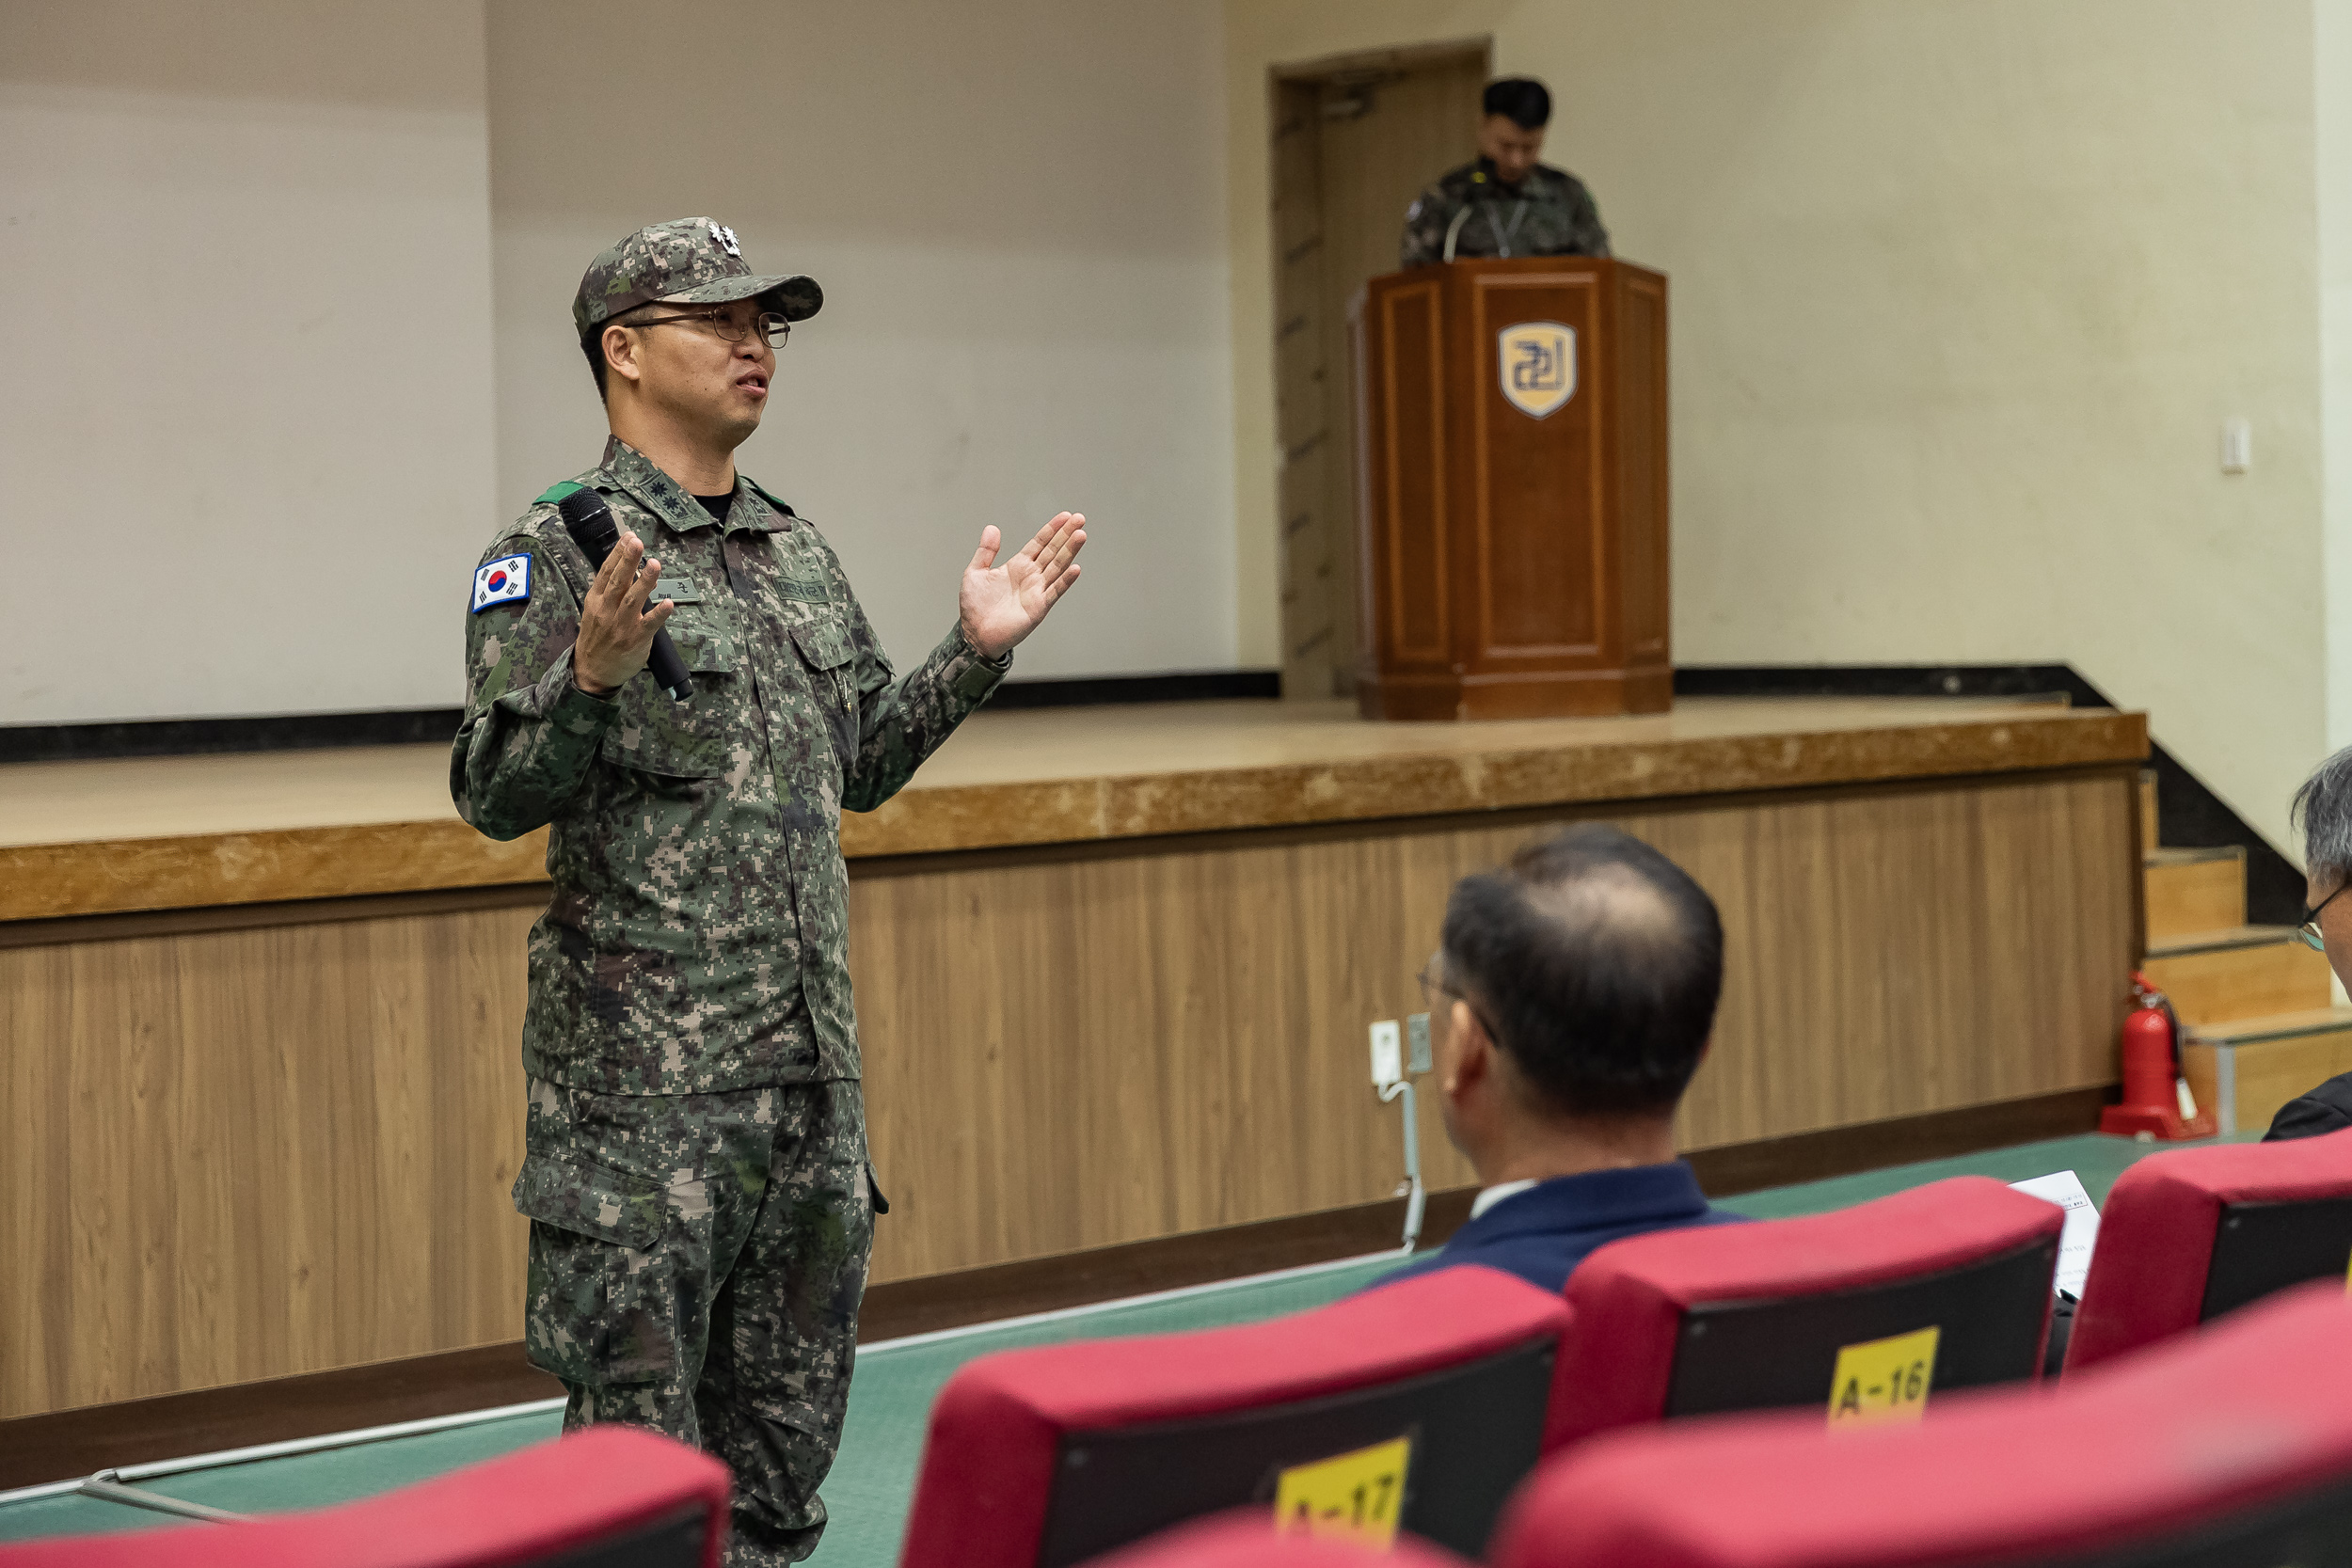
x: 2237, y: 446
x: 1387, y: 1054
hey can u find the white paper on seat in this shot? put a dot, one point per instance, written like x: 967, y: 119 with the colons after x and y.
x: 2065, y: 1189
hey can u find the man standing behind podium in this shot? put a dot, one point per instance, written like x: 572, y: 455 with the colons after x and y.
x: 1507, y: 203
x: 694, y: 1162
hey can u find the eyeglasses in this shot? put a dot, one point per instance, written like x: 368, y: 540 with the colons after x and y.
x: 730, y: 328
x: 1433, y: 986
x: 2308, y: 932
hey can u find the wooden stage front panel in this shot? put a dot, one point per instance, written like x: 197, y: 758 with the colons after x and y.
x: 1086, y: 1048
x: 236, y: 1154
x: 254, y: 1133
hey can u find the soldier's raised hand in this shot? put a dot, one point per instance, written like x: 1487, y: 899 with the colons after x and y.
x: 1001, y: 605
x: 616, y: 628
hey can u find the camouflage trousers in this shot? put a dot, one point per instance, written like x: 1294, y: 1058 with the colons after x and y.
x: 696, y: 1266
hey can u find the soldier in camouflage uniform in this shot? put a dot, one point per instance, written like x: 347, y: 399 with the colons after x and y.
x: 695, y: 1171
x: 1507, y: 203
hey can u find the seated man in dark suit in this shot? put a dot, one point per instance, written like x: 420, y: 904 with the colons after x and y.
x: 2315, y: 1113
x: 1575, y: 993
x: 2323, y: 809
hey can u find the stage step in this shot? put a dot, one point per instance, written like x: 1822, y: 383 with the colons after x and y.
x: 2252, y: 971
x: 2244, y: 1071
x: 2191, y: 891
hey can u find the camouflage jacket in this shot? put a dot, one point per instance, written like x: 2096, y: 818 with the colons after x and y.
x: 697, y: 940
x: 1551, y: 214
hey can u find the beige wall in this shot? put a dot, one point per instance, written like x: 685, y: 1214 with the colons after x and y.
x: 1964, y: 289
x: 1017, y: 215
x: 1963, y: 292
x: 2333, y: 76
x: 258, y: 339
x: 245, y: 431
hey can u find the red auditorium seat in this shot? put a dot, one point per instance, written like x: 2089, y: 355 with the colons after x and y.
x: 2232, y: 1446
x: 2189, y: 1235
x: 1046, y: 1457
x: 606, y: 1497
x: 1724, y: 1318
x: 1249, y: 1540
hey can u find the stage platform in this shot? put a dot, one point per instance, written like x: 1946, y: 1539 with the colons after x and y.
x: 81, y: 838
x: 1114, y: 972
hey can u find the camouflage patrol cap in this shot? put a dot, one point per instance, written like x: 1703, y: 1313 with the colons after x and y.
x: 687, y: 262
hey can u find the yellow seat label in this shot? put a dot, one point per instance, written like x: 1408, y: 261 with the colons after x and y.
x: 1883, y: 1380
x: 1355, y: 1496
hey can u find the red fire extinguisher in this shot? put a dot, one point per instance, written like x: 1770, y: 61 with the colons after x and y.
x: 2156, y: 1102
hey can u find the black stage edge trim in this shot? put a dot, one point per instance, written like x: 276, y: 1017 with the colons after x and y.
x: 1887, y: 680
x: 69, y: 1443
x: 1195, y: 686
x: 310, y: 732
x: 2190, y: 816
x: 184, y: 738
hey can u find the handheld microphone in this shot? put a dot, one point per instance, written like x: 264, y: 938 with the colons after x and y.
x: 590, y: 523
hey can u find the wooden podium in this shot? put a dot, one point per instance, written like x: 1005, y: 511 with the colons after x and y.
x: 1511, y: 490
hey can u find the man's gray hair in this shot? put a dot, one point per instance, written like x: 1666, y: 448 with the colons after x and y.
x: 2323, y: 809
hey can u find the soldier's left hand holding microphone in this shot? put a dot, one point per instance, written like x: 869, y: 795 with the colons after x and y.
x: 617, y: 629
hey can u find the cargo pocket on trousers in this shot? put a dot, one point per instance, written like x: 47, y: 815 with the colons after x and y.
x: 599, y: 1308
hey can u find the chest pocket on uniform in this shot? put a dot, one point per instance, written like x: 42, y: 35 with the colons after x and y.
x: 704, y: 642
x: 826, y: 649
x: 824, y: 643
x: 688, y: 740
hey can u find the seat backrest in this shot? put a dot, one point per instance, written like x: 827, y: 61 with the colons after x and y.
x: 2194, y: 1234
x: 602, y: 1498
x: 2216, y: 1449
x: 1421, y: 1402
x: 1247, y: 1538
x: 1859, y: 1313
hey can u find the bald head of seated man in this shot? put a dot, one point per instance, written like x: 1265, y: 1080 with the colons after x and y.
x: 1573, y: 994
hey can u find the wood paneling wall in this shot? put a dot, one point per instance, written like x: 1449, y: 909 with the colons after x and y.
x: 235, y: 1154
x: 1071, y: 1051
x: 238, y: 1153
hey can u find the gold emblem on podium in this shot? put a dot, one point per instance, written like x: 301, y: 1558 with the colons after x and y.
x: 1536, y: 364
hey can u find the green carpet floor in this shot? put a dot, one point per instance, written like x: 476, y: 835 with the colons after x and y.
x: 294, y: 1481
x: 2097, y: 1160
x: 897, y: 1381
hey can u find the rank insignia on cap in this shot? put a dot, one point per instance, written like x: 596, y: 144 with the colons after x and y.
x: 727, y: 240
x: 506, y: 581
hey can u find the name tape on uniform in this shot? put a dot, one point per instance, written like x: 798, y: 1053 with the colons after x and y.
x: 1357, y: 1495
x: 677, y: 590
x: 506, y: 581
x: 1883, y: 1380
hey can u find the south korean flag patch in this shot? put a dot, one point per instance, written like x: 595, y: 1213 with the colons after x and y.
x: 506, y: 581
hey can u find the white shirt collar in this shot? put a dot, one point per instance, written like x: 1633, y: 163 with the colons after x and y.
x: 1496, y: 1193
